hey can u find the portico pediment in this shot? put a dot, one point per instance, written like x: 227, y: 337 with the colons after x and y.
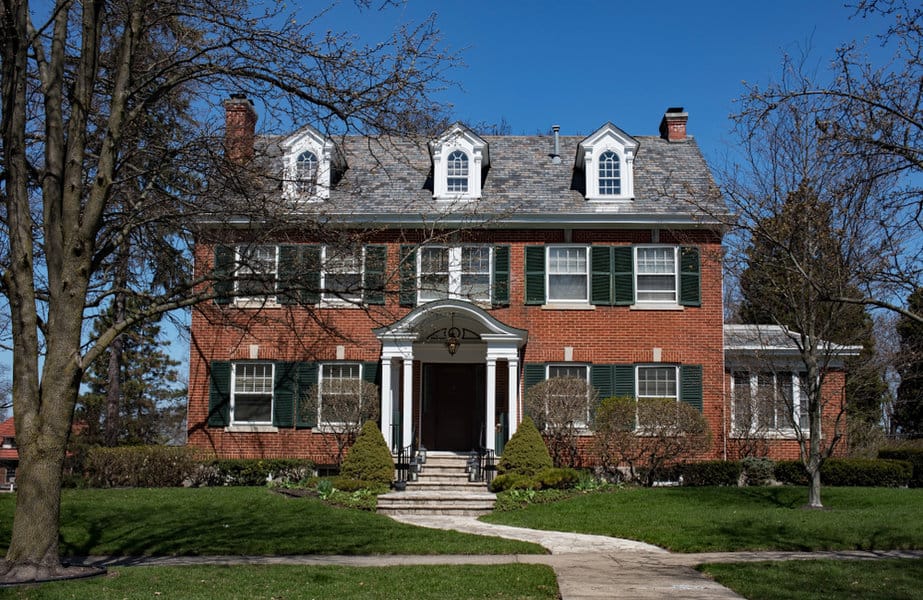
x: 427, y: 319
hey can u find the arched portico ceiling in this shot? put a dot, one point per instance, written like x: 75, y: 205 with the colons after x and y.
x: 427, y: 318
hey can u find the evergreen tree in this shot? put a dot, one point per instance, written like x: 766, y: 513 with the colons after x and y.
x: 908, y: 412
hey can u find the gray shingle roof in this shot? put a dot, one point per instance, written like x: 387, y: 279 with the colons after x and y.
x: 392, y: 176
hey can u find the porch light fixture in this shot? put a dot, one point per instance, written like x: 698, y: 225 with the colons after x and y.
x: 453, y: 337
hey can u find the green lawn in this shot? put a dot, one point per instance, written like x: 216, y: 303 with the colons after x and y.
x: 897, y: 579
x: 290, y: 582
x: 727, y: 519
x: 174, y: 521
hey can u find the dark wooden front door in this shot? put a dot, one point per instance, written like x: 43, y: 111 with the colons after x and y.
x: 453, y: 406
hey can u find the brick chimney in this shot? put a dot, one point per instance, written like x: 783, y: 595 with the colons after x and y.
x: 673, y: 125
x: 239, y: 128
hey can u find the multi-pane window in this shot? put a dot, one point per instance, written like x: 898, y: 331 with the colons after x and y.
x: 305, y: 172
x: 342, y: 274
x: 454, y: 272
x: 567, y: 274
x: 257, y: 268
x: 610, y: 180
x: 577, y: 408
x: 340, y: 392
x: 657, y: 382
x: 457, y: 172
x: 655, y: 273
x: 768, y: 401
x: 251, y: 401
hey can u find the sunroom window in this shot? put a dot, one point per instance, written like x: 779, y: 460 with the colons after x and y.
x: 610, y: 180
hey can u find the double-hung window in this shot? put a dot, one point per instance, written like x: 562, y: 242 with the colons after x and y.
x: 610, y: 180
x: 257, y: 269
x: 577, y: 408
x: 457, y: 172
x: 340, y: 393
x: 342, y: 274
x: 251, y: 394
x: 454, y: 272
x: 657, y: 382
x: 768, y: 401
x: 655, y: 273
x: 305, y: 173
x: 568, y: 274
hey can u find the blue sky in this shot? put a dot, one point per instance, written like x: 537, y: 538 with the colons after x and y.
x: 579, y: 64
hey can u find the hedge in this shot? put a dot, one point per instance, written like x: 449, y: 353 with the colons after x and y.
x: 546, y: 479
x: 912, y: 455
x: 849, y: 472
x: 251, y: 471
x: 710, y: 472
x: 140, y: 466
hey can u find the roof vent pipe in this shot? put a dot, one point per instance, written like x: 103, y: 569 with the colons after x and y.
x: 556, y: 154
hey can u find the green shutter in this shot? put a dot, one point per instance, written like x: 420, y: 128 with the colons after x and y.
x: 624, y: 378
x: 690, y: 387
x: 288, y: 274
x: 408, y: 274
x: 500, y: 290
x: 623, y: 277
x: 308, y: 269
x: 601, y: 281
x: 532, y: 374
x: 219, y: 394
x: 306, y: 379
x: 283, y: 394
x: 690, y: 280
x: 370, y: 372
x: 224, y: 274
x: 601, y: 379
x: 535, y: 274
x: 373, y: 280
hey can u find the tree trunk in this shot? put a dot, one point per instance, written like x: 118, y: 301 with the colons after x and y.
x: 814, y: 490
x: 113, y: 392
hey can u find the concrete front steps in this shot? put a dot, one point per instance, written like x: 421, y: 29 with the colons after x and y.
x: 441, y: 489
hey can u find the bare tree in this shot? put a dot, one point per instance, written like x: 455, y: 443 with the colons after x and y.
x: 648, y: 434
x: 84, y: 86
x: 343, y: 407
x: 561, y: 408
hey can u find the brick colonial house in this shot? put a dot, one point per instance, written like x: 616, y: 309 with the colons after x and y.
x: 481, y: 265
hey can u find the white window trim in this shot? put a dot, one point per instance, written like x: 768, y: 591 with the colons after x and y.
x: 312, y: 141
x: 656, y: 366
x: 458, y: 137
x: 331, y: 299
x: 656, y: 304
x: 254, y: 301
x: 791, y: 430
x: 456, y: 272
x: 323, y: 426
x: 608, y: 138
x: 582, y: 428
x: 242, y: 426
x: 564, y: 303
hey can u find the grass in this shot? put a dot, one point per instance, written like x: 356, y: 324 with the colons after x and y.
x: 175, y: 521
x: 892, y: 579
x: 728, y: 519
x: 506, y: 581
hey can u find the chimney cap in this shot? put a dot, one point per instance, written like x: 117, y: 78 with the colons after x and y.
x: 240, y: 96
x: 675, y: 109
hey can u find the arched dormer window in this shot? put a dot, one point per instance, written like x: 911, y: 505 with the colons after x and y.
x: 305, y: 172
x: 457, y: 172
x: 610, y: 180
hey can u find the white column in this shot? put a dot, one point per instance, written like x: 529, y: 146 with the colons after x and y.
x: 387, y: 400
x: 407, y: 410
x: 491, y: 420
x: 512, y: 395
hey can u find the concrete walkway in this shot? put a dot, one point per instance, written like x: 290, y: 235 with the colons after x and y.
x: 587, y: 566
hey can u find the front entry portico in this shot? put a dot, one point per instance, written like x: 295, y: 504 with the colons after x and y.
x: 445, y: 400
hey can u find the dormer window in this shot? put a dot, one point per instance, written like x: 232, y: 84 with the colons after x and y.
x: 460, y: 158
x: 457, y: 175
x: 305, y: 172
x: 310, y: 160
x: 610, y: 181
x: 606, y: 157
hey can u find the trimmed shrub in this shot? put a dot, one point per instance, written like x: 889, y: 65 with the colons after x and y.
x: 346, y: 484
x: 758, y: 471
x: 251, y: 471
x: 140, y: 466
x: 867, y: 472
x: 791, y: 472
x: 557, y: 479
x: 710, y: 473
x: 513, y: 481
x: 525, y: 453
x: 912, y: 455
x: 369, y: 459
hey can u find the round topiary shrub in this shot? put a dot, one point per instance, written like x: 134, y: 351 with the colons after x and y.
x: 525, y: 453
x: 369, y: 458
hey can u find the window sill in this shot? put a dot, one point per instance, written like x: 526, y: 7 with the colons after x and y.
x: 766, y: 435
x: 567, y: 306
x: 655, y: 306
x: 256, y: 303
x: 251, y: 429
x: 340, y: 303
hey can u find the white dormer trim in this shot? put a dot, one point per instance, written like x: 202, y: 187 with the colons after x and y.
x: 608, y: 138
x: 308, y: 139
x: 458, y: 138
